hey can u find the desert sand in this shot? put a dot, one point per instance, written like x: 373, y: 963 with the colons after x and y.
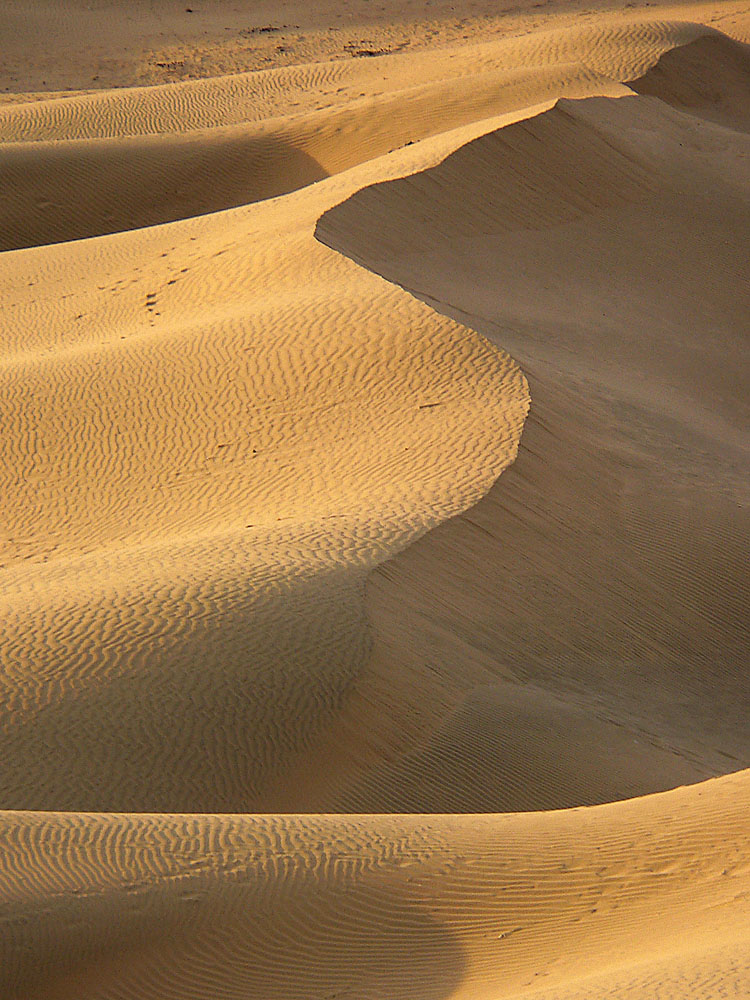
x: 375, y: 474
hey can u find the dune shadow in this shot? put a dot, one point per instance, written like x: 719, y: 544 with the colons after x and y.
x: 606, y: 565
x: 74, y: 189
x: 709, y: 77
x: 198, y: 717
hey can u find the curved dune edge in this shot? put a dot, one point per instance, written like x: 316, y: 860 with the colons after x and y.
x: 102, y: 588
x: 639, y: 898
x: 136, y: 181
x: 201, y: 584
x: 181, y: 674
x: 271, y: 482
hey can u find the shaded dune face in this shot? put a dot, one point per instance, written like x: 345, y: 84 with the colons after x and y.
x: 709, y: 77
x: 598, y: 589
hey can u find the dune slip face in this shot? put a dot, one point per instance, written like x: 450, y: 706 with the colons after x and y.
x: 599, y: 586
x: 374, y: 473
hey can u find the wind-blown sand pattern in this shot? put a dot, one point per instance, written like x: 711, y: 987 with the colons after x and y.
x: 374, y: 467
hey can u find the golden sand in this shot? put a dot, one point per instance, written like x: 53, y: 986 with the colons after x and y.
x: 373, y: 387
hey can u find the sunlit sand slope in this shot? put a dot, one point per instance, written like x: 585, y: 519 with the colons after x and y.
x: 642, y: 899
x: 212, y: 430
x: 598, y: 596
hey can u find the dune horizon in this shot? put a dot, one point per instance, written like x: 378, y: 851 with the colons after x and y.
x: 375, y: 468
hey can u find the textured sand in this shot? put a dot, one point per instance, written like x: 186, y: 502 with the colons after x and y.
x: 641, y: 898
x: 374, y: 467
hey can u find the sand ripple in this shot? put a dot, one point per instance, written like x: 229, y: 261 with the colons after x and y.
x: 329, y: 668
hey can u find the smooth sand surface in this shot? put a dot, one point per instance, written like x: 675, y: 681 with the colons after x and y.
x: 373, y: 386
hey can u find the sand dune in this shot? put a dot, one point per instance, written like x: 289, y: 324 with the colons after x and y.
x: 602, y: 579
x: 634, y: 899
x: 709, y: 77
x: 142, y: 156
x: 305, y: 580
x: 132, y: 182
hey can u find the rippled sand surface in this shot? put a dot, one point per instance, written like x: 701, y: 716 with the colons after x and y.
x: 374, y: 467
